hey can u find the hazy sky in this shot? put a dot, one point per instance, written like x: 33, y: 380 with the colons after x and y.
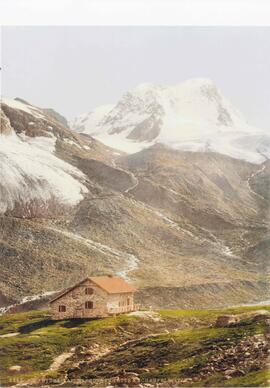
x: 74, y: 69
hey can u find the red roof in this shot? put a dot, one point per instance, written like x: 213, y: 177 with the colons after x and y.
x: 110, y: 284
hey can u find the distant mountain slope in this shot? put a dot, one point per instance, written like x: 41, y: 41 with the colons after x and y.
x: 165, y: 219
x: 191, y: 116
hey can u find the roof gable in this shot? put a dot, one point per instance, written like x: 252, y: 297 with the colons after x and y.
x: 110, y: 284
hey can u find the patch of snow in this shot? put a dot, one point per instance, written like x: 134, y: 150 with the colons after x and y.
x: 87, y: 122
x: 25, y: 299
x: 32, y: 298
x: 121, y: 143
x: 30, y: 170
x: 72, y: 142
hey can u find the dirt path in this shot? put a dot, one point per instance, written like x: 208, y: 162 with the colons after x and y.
x: 59, y: 360
x: 133, y: 176
x: 135, y: 184
x: 9, y: 335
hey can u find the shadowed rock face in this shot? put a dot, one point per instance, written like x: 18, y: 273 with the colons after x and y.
x: 5, y: 127
x: 147, y: 130
x: 169, y: 220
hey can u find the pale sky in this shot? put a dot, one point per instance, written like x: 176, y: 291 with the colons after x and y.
x: 75, y: 69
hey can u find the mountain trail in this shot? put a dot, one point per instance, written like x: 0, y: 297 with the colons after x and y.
x: 9, y: 335
x: 133, y: 186
x: 133, y: 176
x: 258, y: 172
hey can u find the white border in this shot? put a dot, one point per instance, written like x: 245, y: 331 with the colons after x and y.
x: 135, y: 12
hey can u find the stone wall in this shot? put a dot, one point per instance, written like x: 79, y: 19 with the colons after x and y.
x: 75, y: 303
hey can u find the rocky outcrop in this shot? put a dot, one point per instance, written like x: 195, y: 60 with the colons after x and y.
x: 248, y: 355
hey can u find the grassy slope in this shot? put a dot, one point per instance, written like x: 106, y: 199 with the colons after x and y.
x: 186, y: 345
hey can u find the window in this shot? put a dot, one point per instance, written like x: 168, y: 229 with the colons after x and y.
x: 62, y: 309
x: 89, y: 291
x: 128, y: 301
x: 88, y: 305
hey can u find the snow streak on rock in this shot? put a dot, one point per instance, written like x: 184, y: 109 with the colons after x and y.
x: 128, y: 261
x: 30, y: 298
x: 212, y: 240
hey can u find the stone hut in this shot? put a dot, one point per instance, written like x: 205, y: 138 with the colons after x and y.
x: 98, y: 296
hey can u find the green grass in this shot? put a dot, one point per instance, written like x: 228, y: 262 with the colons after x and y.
x: 10, y: 323
x: 40, y: 340
x: 210, y: 315
x: 175, y: 355
x: 254, y: 379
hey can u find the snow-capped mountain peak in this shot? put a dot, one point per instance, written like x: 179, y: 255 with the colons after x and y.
x: 193, y: 115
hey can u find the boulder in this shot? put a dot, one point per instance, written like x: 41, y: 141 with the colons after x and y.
x: 226, y: 320
x: 15, y: 368
x: 234, y: 372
